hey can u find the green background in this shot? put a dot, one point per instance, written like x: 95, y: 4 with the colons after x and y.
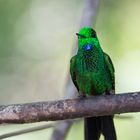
x: 36, y: 39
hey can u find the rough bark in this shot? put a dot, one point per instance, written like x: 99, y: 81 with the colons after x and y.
x: 70, y: 108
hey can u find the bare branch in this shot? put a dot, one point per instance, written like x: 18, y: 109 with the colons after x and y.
x: 89, y: 13
x: 61, y: 130
x: 70, y: 108
x: 24, y: 131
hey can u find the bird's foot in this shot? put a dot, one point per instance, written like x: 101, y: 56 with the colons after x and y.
x: 112, y: 92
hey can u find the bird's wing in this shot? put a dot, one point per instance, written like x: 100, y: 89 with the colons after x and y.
x: 73, y: 71
x: 111, y: 69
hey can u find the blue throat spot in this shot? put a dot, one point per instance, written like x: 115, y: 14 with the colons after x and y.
x: 88, y: 47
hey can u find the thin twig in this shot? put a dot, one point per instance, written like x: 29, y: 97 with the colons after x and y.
x: 28, y: 130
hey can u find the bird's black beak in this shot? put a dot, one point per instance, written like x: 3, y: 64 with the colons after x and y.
x: 82, y: 36
x: 77, y: 34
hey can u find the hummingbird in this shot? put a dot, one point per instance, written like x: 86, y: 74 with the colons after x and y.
x: 92, y: 73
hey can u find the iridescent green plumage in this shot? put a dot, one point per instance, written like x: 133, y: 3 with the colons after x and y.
x: 92, y: 73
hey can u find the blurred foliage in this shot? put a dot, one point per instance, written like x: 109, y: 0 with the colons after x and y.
x: 36, y: 38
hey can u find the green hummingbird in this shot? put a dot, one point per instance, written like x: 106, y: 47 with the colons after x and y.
x: 92, y: 73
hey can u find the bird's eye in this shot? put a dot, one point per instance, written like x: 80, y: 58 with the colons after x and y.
x: 94, y: 35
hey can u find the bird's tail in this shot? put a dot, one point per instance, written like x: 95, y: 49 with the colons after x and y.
x: 95, y: 126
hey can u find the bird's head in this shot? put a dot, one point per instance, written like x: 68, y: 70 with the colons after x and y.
x: 87, y: 39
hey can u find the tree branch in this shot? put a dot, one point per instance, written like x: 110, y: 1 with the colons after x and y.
x: 90, y: 13
x: 88, y: 19
x: 70, y: 108
x: 61, y: 130
x: 27, y: 130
